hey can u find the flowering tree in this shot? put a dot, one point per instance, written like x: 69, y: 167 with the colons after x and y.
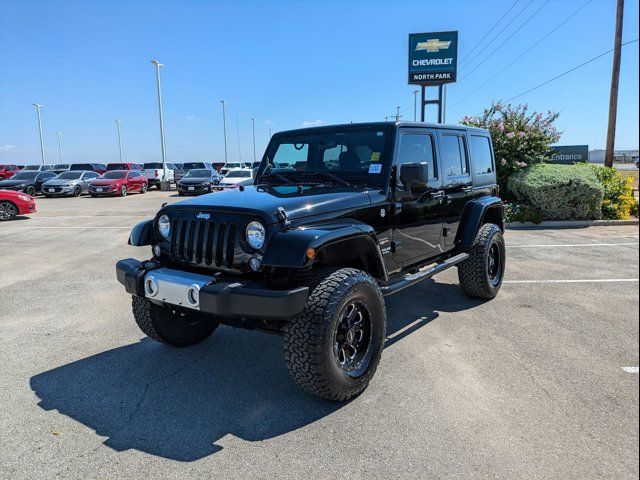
x: 519, y: 138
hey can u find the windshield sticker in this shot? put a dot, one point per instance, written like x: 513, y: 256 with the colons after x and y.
x: 375, y: 168
x: 375, y: 157
x: 379, y: 134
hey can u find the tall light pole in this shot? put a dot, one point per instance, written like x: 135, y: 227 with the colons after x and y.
x: 415, y: 105
x: 613, y: 95
x: 224, y: 128
x: 38, y: 106
x: 164, y: 148
x: 118, y: 122
x: 59, y: 134
x: 238, y: 134
x: 253, y: 128
x: 270, y: 133
x: 398, y: 114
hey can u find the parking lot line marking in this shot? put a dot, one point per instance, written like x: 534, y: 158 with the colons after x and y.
x: 583, y: 280
x: 631, y: 369
x: 573, y: 245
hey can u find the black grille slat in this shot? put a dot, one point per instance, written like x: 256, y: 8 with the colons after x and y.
x: 204, y: 242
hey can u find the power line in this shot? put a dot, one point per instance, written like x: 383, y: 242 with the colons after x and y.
x: 500, y: 32
x: 524, y: 53
x: 568, y: 72
x: 490, y: 30
x: 506, y: 40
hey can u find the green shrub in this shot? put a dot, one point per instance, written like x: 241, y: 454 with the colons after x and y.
x: 559, y: 192
x: 515, y: 212
x: 520, y: 138
x: 618, y: 202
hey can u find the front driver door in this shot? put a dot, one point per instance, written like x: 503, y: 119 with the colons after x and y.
x: 417, y: 223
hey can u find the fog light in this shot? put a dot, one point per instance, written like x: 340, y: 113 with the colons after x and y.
x: 193, y: 295
x: 254, y: 264
x: 156, y: 251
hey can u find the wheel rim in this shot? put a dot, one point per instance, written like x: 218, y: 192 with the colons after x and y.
x: 144, y: 188
x: 31, y: 191
x: 77, y: 191
x: 7, y: 211
x: 352, y: 342
x: 123, y: 190
x: 494, y: 264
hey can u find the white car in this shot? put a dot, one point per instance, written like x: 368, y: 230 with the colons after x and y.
x: 236, y: 176
x: 153, y: 171
x: 227, y: 167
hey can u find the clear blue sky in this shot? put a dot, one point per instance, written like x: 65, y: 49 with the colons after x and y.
x: 286, y: 63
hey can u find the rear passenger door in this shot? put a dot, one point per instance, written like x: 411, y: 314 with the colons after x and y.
x: 456, y: 178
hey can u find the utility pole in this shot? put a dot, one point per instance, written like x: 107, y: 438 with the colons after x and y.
x: 224, y: 127
x: 398, y: 114
x: 59, y: 134
x: 270, y: 134
x: 118, y: 122
x: 164, y: 183
x: 615, y: 79
x: 38, y: 106
x: 415, y: 105
x: 253, y: 128
x: 238, y: 134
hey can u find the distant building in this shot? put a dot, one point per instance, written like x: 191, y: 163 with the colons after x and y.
x: 620, y: 156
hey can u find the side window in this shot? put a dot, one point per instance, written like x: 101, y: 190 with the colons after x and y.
x: 418, y: 148
x: 454, y: 157
x: 481, y: 154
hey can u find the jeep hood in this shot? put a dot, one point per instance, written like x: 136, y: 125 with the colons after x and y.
x: 298, y: 202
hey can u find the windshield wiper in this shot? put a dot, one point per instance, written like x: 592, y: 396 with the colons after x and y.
x: 330, y: 176
x: 278, y: 176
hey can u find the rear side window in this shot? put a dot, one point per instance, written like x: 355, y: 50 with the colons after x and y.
x: 454, y: 157
x: 481, y: 154
x: 416, y: 148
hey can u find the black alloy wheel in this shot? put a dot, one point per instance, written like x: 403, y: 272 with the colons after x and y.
x: 8, y: 211
x: 77, y: 191
x: 30, y: 190
x: 352, y: 344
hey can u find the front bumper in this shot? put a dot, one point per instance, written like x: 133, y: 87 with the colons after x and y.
x: 104, y: 190
x: 223, y: 297
x: 193, y: 189
x: 61, y: 191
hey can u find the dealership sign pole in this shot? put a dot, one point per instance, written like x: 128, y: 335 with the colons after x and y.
x: 433, y: 61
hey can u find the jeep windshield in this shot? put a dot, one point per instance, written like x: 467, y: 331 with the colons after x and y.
x: 341, y: 155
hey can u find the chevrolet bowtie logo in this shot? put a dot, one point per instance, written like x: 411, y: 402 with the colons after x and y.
x: 433, y: 45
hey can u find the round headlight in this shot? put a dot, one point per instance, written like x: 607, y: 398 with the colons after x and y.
x: 164, y: 226
x: 255, y: 234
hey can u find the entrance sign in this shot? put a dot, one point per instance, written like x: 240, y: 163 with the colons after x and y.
x: 433, y: 58
x: 569, y: 154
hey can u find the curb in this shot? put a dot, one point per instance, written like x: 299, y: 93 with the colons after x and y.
x: 569, y: 224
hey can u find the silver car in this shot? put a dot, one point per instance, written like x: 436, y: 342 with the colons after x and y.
x: 72, y: 182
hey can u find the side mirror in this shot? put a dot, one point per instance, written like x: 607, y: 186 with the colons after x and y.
x: 414, y: 175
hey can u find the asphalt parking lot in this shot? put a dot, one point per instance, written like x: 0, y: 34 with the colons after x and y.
x: 538, y: 383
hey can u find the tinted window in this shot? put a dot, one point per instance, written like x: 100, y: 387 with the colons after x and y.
x: 114, y: 174
x: 32, y: 167
x: 117, y: 166
x: 191, y: 165
x: 238, y: 174
x: 198, y: 172
x: 151, y: 165
x: 90, y: 175
x: 418, y: 149
x: 80, y: 166
x: 481, y: 154
x: 70, y: 175
x: 45, y: 175
x: 24, y: 175
x: 454, y: 158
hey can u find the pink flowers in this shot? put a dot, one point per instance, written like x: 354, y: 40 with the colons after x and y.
x: 501, y: 127
x: 522, y: 164
x: 521, y: 134
x: 503, y: 162
x: 511, y: 135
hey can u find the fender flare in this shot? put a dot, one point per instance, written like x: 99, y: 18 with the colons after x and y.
x: 141, y: 234
x: 474, y: 216
x: 289, y: 248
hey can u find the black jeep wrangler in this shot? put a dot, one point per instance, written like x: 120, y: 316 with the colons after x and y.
x: 338, y: 217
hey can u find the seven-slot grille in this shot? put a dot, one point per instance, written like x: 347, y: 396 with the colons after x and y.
x: 203, y: 242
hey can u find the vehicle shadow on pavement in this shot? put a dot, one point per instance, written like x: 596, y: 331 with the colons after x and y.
x: 176, y: 403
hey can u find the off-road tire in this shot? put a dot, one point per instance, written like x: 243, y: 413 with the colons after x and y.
x: 169, y: 326
x: 309, y: 338
x: 474, y: 273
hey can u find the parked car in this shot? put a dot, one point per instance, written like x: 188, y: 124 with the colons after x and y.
x: 119, y: 182
x: 60, y: 167
x: 7, y: 171
x: 71, y: 182
x: 231, y: 166
x: 123, y: 166
x: 28, y: 181
x: 38, y: 168
x: 235, y: 176
x: 191, y: 165
x: 99, y: 168
x: 178, y: 172
x: 198, y: 181
x: 310, y: 255
x: 15, y: 203
x: 217, y: 166
x: 154, y: 172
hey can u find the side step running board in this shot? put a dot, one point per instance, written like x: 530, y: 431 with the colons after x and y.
x: 413, y: 278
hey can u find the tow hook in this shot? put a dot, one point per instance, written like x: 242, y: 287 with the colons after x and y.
x: 283, y: 218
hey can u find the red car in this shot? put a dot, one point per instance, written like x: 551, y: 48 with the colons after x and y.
x: 119, y: 182
x: 14, y: 203
x: 124, y: 166
x: 7, y: 171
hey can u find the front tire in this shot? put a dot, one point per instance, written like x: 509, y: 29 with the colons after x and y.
x: 8, y: 211
x: 334, y: 346
x: 123, y: 191
x: 167, y: 325
x: 143, y: 189
x: 30, y: 190
x: 77, y: 191
x: 482, y: 273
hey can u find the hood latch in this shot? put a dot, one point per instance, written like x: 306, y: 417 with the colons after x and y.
x: 283, y: 218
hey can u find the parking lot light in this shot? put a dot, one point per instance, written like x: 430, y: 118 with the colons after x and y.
x: 38, y: 107
x: 118, y: 122
x: 164, y: 182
